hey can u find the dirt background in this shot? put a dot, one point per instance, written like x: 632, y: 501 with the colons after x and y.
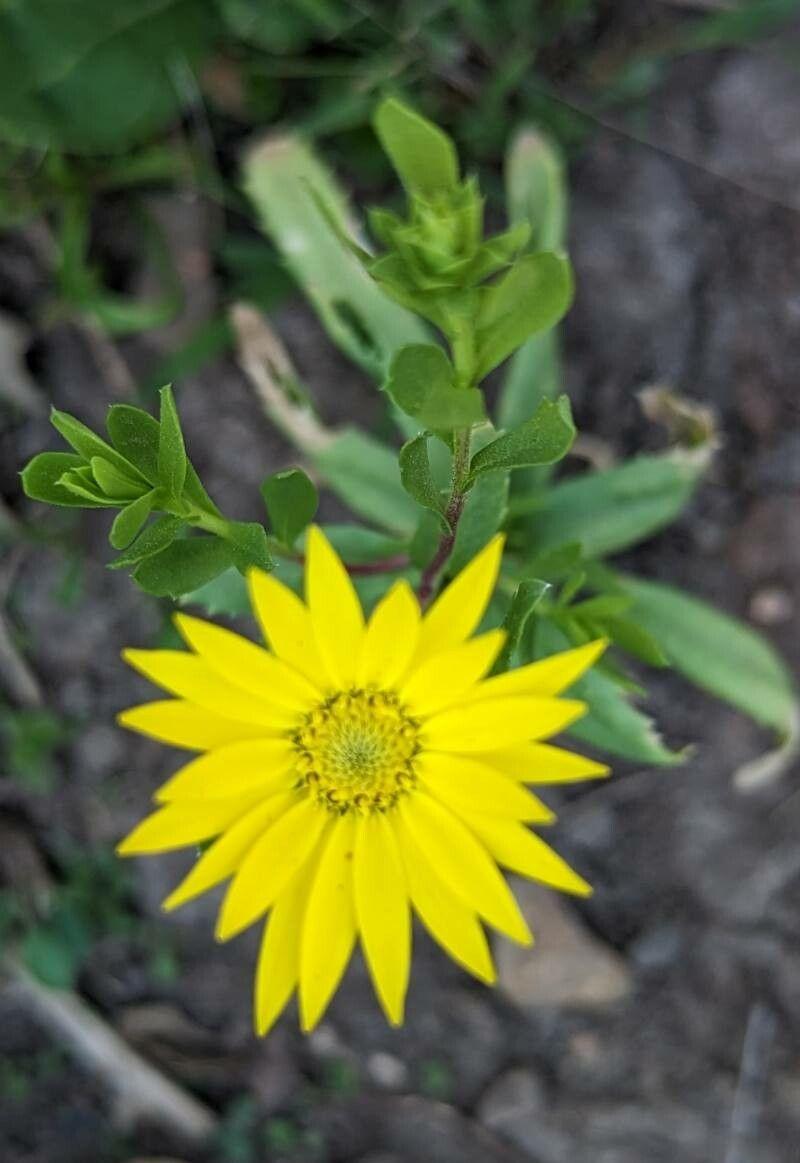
x: 687, y: 252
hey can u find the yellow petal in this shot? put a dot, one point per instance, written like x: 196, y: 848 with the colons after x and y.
x: 490, y: 725
x: 444, y: 678
x: 177, y: 825
x: 458, y: 610
x: 329, y: 924
x: 226, y: 854
x: 384, y: 918
x: 391, y: 637
x: 279, y: 958
x: 444, y: 915
x: 269, y: 866
x: 464, y: 864
x: 190, y: 678
x: 550, y: 676
x: 543, y: 763
x: 335, y: 610
x: 521, y: 850
x: 260, y: 766
x: 247, y: 665
x: 466, y: 783
x: 186, y: 725
x: 285, y: 624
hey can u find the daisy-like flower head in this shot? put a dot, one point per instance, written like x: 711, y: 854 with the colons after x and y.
x: 355, y: 772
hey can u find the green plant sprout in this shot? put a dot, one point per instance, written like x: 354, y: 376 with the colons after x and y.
x: 430, y: 308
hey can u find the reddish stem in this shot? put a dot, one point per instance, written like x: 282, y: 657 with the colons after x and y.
x: 432, y: 569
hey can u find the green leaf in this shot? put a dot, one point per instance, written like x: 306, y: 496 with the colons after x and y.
x: 359, y: 546
x: 531, y: 297
x: 171, y: 450
x: 716, y: 652
x: 154, y: 538
x: 744, y: 24
x: 425, y: 541
x: 600, y: 607
x: 291, y: 500
x: 288, y: 185
x: 536, y: 188
x: 96, y: 77
x: 88, y: 443
x: 41, y: 480
x: 536, y: 193
x: 136, y: 435
x: 610, y: 510
x: 129, y: 520
x: 612, y: 723
x: 115, y: 484
x: 49, y: 957
x: 534, y: 374
x: 365, y: 474
x: 417, y: 478
x: 422, y: 382
x: 635, y: 640
x: 543, y: 439
x: 527, y: 597
x: 248, y: 542
x: 184, y: 566
x: 485, y: 511
x: 80, y: 482
x: 423, y: 155
x: 224, y: 594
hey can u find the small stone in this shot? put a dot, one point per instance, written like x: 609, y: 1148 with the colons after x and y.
x: 515, y: 1106
x: 387, y: 1071
x: 515, y: 1096
x: 567, y: 965
x: 771, y: 606
x: 656, y: 948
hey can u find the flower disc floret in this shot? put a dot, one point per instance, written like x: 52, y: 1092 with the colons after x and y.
x: 355, y: 751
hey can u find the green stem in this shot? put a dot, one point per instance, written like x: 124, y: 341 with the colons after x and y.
x: 455, y: 507
x: 210, y: 522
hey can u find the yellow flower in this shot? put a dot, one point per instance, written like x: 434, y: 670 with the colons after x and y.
x: 355, y: 772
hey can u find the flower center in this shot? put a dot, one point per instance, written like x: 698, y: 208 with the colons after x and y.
x: 355, y: 751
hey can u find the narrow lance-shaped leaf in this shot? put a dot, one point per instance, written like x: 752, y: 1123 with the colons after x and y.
x: 171, y: 451
x: 484, y: 513
x: 543, y: 439
x: 364, y: 473
x: 609, y: 510
x: 531, y: 297
x: 422, y: 154
x: 527, y: 597
x: 536, y: 193
x: 536, y: 188
x: 280, y: 174
x: 422, y: 382
x: 417, y: 478
x: 612, y: 723
x: 716, y: 652
x: 291, y: 500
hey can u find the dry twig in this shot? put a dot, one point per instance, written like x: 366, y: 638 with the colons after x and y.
x: 141, y: 1092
